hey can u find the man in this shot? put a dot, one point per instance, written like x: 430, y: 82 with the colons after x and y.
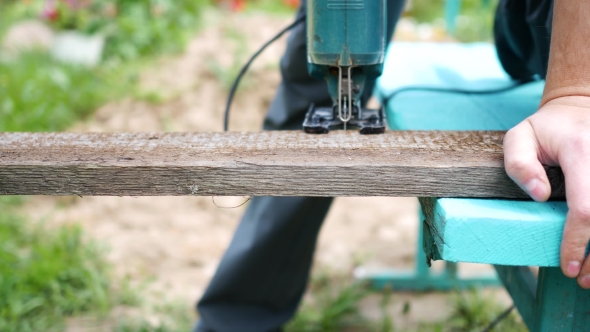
x: 262, y: 277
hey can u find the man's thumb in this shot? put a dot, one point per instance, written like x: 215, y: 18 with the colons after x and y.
x: 522, y: 163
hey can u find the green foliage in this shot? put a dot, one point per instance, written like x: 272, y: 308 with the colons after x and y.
x: 144, y: 326
x: 226, y: 75
x: 473, y: 311
x: 426, y: 10
x: 334, y: 307
x: 175, y: 317
x: 141, y: 326
x: 15, y: 10
x: 133, y: 28
x: 49, y: 274
x: 277, y: 7
x: 127, y: 295
x: 46, y: 274
x: 386, y: 324
x: 474, y: 23
x: 146, y: 27
x: 38, y: 94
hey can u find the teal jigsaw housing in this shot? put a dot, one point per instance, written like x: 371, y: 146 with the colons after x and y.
x: 346, y: 48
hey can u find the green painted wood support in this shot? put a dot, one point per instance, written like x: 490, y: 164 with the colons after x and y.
x: 553, y: 303
x: 503, y: 232
x: 561, y: 305
x: 521, y: 284
x: 509, y: 234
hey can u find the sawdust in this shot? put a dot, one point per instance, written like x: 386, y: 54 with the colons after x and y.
x: 177, y: 242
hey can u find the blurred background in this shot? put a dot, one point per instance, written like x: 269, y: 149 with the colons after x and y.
x: 140, y: 264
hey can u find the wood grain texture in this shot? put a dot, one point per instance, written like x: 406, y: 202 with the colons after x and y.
x: 408, y: 163
x: 502, y: 232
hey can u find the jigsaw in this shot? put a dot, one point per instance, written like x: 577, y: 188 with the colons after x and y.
x: 346, y: 48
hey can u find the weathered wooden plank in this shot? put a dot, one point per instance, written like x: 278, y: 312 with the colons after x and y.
x: 427, y: 164
x: 502, y: 232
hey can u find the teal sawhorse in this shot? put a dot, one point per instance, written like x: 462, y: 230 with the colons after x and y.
x: 511, y: 235
x: 442, y: 65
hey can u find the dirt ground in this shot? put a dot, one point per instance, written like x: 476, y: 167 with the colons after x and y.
x: 177, y: 242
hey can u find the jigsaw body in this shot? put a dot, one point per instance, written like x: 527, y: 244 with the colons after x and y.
x: 346, y: 48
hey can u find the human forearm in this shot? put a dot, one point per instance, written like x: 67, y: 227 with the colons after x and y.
x: 559, y: 133
x: 568, y: 72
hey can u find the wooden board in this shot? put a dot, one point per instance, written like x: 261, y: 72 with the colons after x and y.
x: 427, y: 164
x: 502, y: 232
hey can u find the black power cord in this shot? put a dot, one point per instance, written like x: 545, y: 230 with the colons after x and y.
x: 234, y: 87
x: 498, y: 319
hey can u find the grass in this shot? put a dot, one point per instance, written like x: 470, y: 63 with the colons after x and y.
x: 474, y: 23
x: 275, y: 7
x: 143, y: 326
x: 132, y: 28
x: 146, y: 27
x: 476, y: 20
x: 226, y: 75
x: 171, y: 316
x: 333, y: 304
x: 47, y: 274
x: 473, y: 311
x: 39, y: 94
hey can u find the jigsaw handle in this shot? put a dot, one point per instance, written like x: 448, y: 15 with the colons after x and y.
x: 346, y: 33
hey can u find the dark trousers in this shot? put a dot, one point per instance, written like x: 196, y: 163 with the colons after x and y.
x: 263, y: 274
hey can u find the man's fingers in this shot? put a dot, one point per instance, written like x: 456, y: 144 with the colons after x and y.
x: 573, y: 248
x: 576, y: 232
x: 522, y: 163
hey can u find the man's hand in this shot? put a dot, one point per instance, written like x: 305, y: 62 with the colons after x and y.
x: 557, y: 135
